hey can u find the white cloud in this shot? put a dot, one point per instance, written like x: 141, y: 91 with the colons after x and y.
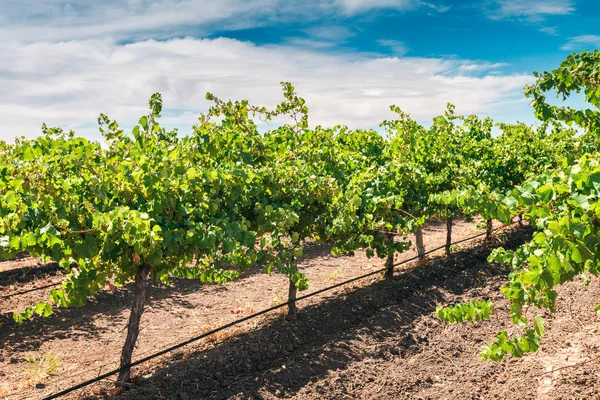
x: 550, y: 30
x: 436, y: 7
x: 321, y: 37
x: 582, y: 42
x: 481, y: 66
x: 310, y: 44
x: 358, y: 6
x: 533, y: 10
x: 352, y: 7
x: 70, y: 83
x: 397, y: 46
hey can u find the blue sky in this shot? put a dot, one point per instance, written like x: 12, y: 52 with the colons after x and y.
x: 64, y: 62
x: 527, y: 37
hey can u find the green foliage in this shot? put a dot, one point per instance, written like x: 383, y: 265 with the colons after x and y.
x: 472, y: 311
x: 560, y: 201
x: 517, y: 346
x: 563, y: 206
x: 579, y: 72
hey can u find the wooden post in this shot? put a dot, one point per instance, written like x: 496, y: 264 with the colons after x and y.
x: 419, y: 242
x: 448, y: 235
x: 133, y: 326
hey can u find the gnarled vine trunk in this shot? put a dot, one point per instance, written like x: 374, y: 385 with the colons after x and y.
x: 448, y: 234
x: 419, y: 242
x: 133, y: 326
x: 488, y: 228
x: 293, y: 291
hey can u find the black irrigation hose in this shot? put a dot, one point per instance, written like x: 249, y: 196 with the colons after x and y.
x: 17, y: 258
x: 244, y: 319
x: 6, y: 296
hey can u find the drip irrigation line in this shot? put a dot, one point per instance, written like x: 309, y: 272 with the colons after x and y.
x: 17, y: 258
x: 6, y: 296
x: 244, y: 319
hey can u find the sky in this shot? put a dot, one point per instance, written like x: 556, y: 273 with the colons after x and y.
x: 65, y: 62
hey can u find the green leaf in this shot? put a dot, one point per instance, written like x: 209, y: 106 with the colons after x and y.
x: 144, y: 122
x: 580, y: 200
x: 28, y: 154
x: 538, y: 324
x: 10, y: 198
x: 192, y: 173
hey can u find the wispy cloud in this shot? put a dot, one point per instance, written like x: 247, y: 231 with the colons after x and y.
x: 550, y: 30
x: 532, y: 10
x: 311, y: 43
x: 437, y: 7
x: 333, y: 33
x: 321, y: 37
x: 352, y: 7
x: 69, y: 84
x: 480, y: 66
x: 398, y: 47
x: 582, y: 42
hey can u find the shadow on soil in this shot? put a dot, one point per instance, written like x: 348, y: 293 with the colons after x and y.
x: 80, y: 322
x: 28, y: 274
x: 280, y: 357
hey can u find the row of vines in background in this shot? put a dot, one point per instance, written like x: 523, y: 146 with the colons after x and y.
x: 155, y: 204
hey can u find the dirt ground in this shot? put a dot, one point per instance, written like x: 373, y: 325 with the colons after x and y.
x: 373, y: 339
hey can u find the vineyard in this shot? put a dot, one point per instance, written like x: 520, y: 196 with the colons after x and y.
x: 173, y: 231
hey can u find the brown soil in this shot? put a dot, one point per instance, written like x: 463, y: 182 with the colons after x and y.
x: 370, y: 339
